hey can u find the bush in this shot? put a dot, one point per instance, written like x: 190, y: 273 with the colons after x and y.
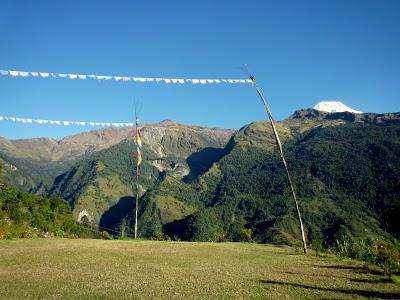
x: 386, y: 257
x: 246, y: 234
x: 105, y: 235
x: 160, y: 236
x: 59, y: 233
x: 3, y: 232
x: 318, y: 246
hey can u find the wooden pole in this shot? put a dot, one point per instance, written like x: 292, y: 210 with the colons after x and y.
x: 137, y: 175
x: 137, y: 200
x: 278, y: 142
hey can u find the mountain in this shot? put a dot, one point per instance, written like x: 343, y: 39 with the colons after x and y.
x: 345, y: 169
x: 33, y: 164
x: 334, y: 106
x: 107, y: 178
x: 210, y: 184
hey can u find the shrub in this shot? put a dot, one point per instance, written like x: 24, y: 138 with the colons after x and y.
x: 160, y: 236
x: 388, y: 259
x: 105, y: 235
x: 246, y: 234
x: 3, y: 232
x: 318, y: 246
x: 59, y: 233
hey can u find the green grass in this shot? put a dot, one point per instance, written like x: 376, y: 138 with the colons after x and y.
x: 98, y: 269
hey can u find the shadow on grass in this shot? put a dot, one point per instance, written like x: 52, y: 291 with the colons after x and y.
x: 356, y: 269
x: 317, y: 275
x: 377, y: 280
x: 362, y: 293
x: 361, y: 280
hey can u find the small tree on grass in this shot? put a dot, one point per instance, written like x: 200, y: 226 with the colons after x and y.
x: 246, y: 234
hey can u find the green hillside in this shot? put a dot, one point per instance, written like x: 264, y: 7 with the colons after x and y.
x: 101, y: 185
x: 345, y: 170
x: 26, y: 215
x: 196, y: 185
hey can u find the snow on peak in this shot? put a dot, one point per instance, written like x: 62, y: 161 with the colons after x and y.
x: 334, y: 106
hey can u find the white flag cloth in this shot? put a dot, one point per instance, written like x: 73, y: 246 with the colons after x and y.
x: 15, y: 73
x: 23, y: 74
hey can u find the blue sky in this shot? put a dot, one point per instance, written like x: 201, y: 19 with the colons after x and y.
x: 302, y: 52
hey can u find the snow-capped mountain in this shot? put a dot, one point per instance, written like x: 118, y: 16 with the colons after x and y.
x: 334, y: 106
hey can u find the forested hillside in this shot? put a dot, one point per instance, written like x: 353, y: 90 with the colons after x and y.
x: 25, y: 215
x: 346, y: 172
x: 206, y: 185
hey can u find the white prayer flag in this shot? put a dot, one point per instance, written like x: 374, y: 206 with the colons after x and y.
x: 24, y: 74
x: 14, y: 73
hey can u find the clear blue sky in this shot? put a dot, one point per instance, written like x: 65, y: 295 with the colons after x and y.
x: 302, y: 52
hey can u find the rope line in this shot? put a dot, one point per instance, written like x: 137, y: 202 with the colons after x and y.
x: 17, y: 73
x: 65, y: 123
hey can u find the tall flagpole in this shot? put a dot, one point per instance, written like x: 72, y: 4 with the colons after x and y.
x: 278, y: 142
x: 137, y: 173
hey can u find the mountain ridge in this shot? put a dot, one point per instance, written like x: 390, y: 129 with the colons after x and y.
x: 197, y: 184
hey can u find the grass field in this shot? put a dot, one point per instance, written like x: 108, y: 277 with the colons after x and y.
x: 99, y: 269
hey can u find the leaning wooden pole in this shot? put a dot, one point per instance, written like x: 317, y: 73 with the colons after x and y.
x: 278, y: 142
